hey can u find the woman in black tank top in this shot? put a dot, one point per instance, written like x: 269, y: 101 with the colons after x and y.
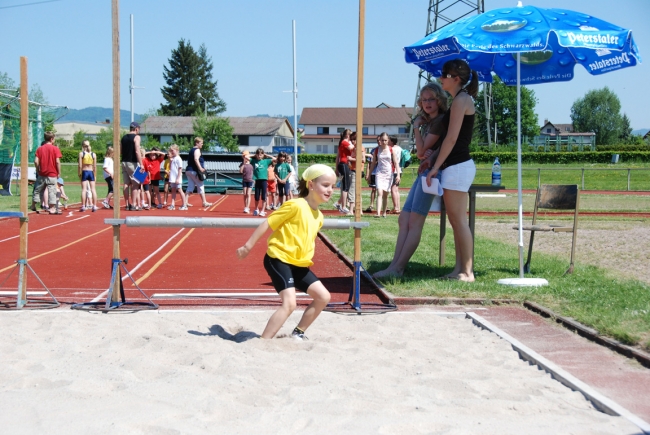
x: 454, y: 160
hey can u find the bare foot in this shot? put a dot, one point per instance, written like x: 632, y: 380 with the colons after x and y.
x: 465, y: 278
x: 387, y: 273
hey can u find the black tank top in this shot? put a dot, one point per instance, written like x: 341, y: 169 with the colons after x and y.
x: 460, y: 152
x: 128, y: 148
x: 191, y: 163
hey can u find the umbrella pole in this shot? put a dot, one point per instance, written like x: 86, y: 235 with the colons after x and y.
x: 519, y: 181
x: 521, y: 281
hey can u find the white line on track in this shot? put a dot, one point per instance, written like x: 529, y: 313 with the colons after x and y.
x: 220, y: 295
x: 46, y: 228
x: 105, y: 292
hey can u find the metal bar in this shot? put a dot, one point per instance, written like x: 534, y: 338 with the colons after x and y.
x: 198, y: 222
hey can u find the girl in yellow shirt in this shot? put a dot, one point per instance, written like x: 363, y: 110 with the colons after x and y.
x: 290, y: 249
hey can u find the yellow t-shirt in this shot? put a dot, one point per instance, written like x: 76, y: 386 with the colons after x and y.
x: 295, y: 226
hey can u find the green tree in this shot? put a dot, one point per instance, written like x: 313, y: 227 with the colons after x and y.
x: 598, y: 111
x: 207, y: 85
x: 216, y: 132
x: 504, y: 113
x: 190, y: 73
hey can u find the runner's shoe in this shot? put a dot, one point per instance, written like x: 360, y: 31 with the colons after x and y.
x: 182, y: 208
x: 82, y: 209
x: 299, y: 335
x: 246, y: 210
x: 262, y: 213
x: 337, y: 206
x: 255, y: 212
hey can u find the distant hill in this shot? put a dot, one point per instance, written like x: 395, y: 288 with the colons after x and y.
x: 641, y: 132
x: 94, y: 114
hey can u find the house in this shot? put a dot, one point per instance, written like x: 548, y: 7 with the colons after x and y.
x: 252, y: 132
x: 323, y: 125
x: 563, y: 130
x: 66, y: 130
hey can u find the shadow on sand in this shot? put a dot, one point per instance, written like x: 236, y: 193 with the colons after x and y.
x: 239, y: 337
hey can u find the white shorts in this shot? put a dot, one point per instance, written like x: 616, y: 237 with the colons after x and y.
x: 458, y: 177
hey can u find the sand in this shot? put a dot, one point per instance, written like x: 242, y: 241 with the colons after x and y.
x: 190, y: 372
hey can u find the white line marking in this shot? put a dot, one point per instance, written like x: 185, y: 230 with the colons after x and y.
x: 46, y: 228
x: 103, y: 294
x: 490, y: 195
x: 12, y: 293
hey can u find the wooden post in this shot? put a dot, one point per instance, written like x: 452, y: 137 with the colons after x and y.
x: 24, y: 172
x: 117, y: 170
x: 359, y: 149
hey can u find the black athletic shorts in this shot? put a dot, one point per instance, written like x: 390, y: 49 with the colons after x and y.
x: 285, y: 275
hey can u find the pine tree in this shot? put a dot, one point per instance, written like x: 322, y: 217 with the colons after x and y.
x: 190, y: 73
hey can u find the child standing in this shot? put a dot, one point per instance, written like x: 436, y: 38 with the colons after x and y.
x: 165, y: 170
x: 272, y: 191
x: 282, y: 174
x: 260, y: 162
x: 291, y: 249
x: 152, y: 162
x: 176, y: 177
x: 60, y: 193
x: 246, y: 169
x: 293, y: 180
x: 146, y: 184
x: 108, y: 176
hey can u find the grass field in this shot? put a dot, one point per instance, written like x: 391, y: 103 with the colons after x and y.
x: 614, y: 306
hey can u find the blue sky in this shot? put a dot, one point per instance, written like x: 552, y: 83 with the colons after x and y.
x: 68, y: 45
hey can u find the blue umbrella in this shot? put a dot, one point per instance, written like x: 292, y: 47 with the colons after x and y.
x: 527, y: 45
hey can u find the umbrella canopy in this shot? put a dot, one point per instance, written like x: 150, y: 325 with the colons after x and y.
x: 527, y: 45
x: 551, y: 43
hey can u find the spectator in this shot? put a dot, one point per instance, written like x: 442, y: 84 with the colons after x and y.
x: 384, y: 161
x: 261, y: 162
x: 48, y: 168
x: 152, y: 161
x: 108, y: 176
x: 345, y: 149
x: 282, y: 174
x: 246, y: 169
x: 271, y: 187
x: 87, y: 168
x: 394, y: 189
x: 196, y: 166
x: 131, y: 158
x: 176, y: 178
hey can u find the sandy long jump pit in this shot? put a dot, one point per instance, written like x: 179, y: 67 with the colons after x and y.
x: 192, y: 372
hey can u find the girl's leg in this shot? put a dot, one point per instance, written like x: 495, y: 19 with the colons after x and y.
x: 84, y: 196
x: 166, y: 189
x: 321, y: 298
x: 93, y: 189
x: 456, y: 205
x: 288, y: 297
x: 408, y: 240
x: 385, y: 202
x: 380, y: 195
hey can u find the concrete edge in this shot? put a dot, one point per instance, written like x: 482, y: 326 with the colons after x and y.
x: 591, y: 334
x: 384, y: 295
x: 429, y: 300
x: 601, y: 402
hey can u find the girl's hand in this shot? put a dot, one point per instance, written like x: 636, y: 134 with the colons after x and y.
x: 418, y: 121
x: 243, y: 252
x: 428, y: 153
x: 424, y: 166
x: 432, y: 173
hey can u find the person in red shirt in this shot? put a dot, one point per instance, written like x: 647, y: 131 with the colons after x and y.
x: 48, y: 169
x: 152, y: 162
x: 345, y: 150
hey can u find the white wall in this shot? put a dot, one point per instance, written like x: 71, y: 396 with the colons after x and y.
x: 372, y: 129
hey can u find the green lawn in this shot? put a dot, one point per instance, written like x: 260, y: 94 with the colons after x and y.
x: 616, y: 307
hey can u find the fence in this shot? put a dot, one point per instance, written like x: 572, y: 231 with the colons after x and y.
x: 641, y: 179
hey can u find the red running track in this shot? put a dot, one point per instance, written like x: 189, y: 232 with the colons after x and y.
x: 176, y: 267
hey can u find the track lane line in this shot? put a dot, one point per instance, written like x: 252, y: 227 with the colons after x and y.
x: 57, y: 249
x: 105, y: 292
x: 162, y: 260
x: 46, y: 228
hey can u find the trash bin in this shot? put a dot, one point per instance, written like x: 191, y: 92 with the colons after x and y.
x: 615, y: 158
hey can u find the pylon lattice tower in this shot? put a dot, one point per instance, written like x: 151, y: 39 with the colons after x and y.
x: 440, y: 14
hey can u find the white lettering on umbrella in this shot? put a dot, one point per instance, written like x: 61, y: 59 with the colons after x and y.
x: 590, y: 38
x: 430, y: 51
x: 611, y: 62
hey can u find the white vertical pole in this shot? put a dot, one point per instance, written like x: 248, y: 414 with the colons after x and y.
x: 131, y: 87
x: 295, y: 103
x: 519, y: 194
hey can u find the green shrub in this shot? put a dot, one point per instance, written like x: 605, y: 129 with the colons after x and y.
x: 562, y: 157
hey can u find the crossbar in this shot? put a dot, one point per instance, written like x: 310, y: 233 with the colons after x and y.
x: 199, y: 222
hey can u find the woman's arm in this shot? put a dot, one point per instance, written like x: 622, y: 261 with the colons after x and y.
x: 197, y: 154
x: 95, y: 165
x: 373, y: 163
x: 257, y: 234
x: 398, y: 170
x: 80, y: 164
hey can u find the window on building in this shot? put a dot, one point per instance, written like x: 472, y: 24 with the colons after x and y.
x: 568, y: 129
x: 548, y: 130
x: 323, y: 130
x: 319, y: 148
x: 364, y: 130
x: 340, y: 130
x: 402, y: 130
x: 242, y: 140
